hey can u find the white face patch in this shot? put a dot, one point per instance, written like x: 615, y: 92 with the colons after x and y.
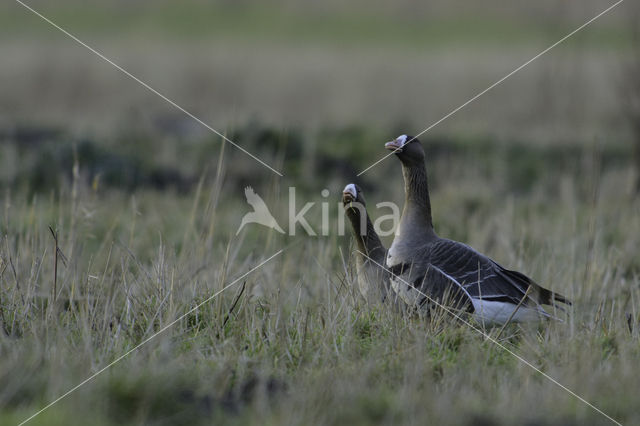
x: 401, y: 140
x: 351, y: 189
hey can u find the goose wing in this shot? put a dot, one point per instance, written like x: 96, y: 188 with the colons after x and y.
x: 482, y: 278
x: 453, y: 267
x: 431, y: 283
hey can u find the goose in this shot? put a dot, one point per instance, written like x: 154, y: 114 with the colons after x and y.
x: 450, y: 272
x: 373, y: 280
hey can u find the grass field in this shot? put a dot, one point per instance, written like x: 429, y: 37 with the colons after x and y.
x: 539, y: 174
x: 297, y: 345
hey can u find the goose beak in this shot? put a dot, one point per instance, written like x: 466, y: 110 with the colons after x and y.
x: 349, y: 194
x: 396, y: 144
x: 393, y: 146
x: 347, y: 198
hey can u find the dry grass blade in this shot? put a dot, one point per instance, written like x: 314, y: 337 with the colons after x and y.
x: 233, y: 305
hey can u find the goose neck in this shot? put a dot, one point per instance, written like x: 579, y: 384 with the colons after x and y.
x: 417, y: 206
x: 364, y: 232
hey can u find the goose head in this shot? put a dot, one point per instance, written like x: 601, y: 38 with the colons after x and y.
x: 352, y: 193
x: 408, y: 149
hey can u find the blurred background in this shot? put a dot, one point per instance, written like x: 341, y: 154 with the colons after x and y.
x: 311, y: 86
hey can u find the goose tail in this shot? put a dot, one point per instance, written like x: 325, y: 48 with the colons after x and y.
x: 557, y: 297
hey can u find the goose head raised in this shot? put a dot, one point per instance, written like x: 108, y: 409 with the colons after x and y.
x: 352, y: 193
x: 408, y: 149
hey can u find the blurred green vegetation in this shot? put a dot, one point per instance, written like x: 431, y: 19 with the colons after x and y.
x: 41, y: 160
x: 355, y: 24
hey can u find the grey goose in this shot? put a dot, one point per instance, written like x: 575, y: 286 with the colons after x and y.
x: 373, y: 279
x: 423, y: 264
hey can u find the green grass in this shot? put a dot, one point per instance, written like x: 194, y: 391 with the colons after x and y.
x: 351, y: 25
x: 300, y: 346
